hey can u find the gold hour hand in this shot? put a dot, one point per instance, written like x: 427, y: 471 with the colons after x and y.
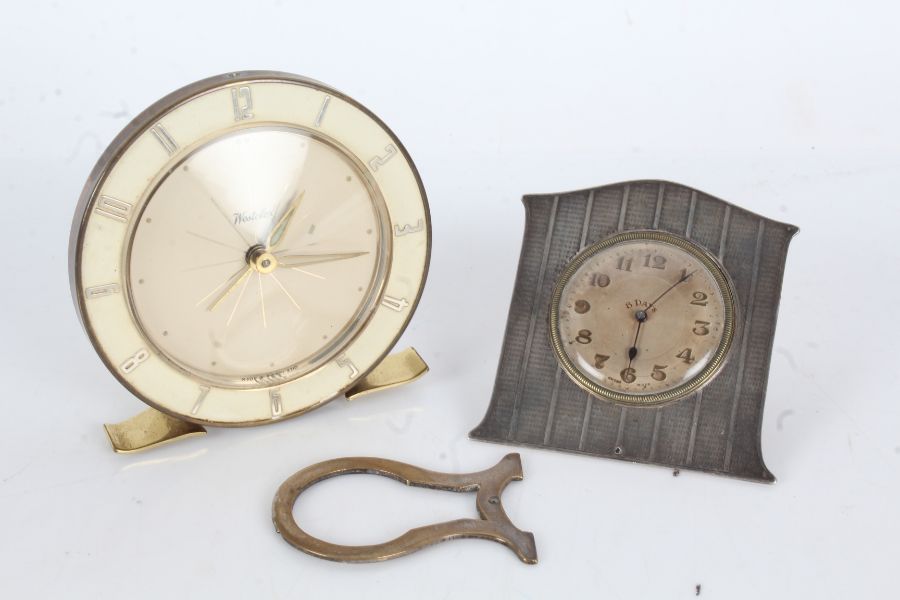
x: 277, y: 234
x: 302, y: 260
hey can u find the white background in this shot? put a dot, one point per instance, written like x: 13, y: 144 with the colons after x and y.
x: 789, y: 109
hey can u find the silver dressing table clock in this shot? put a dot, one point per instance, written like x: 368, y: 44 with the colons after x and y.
x: 641, y: 328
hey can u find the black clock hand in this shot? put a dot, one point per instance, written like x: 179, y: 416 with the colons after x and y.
x: 681, y: 280
x: 641, y: 316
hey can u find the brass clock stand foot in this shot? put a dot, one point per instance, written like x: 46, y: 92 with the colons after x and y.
x: 149, y: 429
x: 152, y: 428
x: 396, y: 369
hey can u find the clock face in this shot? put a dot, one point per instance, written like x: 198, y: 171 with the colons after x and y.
x: 249, y: 248
x: 277, y: 247
x: 643, y: 318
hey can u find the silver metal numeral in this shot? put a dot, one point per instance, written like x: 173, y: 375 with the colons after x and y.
x: 163, y: 137
x: 204, y: 391
x: 322, y: 110
x: 397, y: 304
x: 345, y: 362
x: 113, y: 208
x: 275, y: 400
x: 135, y: 361
x: 408, y: 229
x: 390, y: 151
x: 242, y: 103
x: 98, y: 291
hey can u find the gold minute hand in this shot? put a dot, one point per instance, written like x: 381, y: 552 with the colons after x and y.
x: 231, y: 284
x: 301, y: 260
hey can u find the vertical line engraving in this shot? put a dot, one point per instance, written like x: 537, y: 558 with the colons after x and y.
x: 698, y: 401
x: 659, y: 203
x: 624, y: 410
x: 624, y: 208
x: 514, y: 421
x: 551, y: 413
x: 657, y: 417
x: 744, y: 339
x: 587, y: 220
x: 725, y: 223
x: 548, y: 429
x: 695, y: 422
x: 690, y: 221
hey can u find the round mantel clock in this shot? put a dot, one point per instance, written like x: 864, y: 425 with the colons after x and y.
x: 641, y: 328
x: 248, y: 248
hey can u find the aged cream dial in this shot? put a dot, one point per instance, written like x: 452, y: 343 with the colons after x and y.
x: 248, y: 248
x: 642, y: 318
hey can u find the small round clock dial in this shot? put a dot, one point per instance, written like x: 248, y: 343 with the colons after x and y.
x: 642, y: 318
x: 248, y: 248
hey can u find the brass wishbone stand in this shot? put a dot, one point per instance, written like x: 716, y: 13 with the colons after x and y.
x: 493, y: 524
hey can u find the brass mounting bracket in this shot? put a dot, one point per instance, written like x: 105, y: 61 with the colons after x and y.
x: 148, y: 429
x: 152, y: 428
x: 395, y: 370
x: 494, y: 524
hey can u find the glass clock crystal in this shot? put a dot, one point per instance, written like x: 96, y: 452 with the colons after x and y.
x: 248, y: 248
x: 642, y: 317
